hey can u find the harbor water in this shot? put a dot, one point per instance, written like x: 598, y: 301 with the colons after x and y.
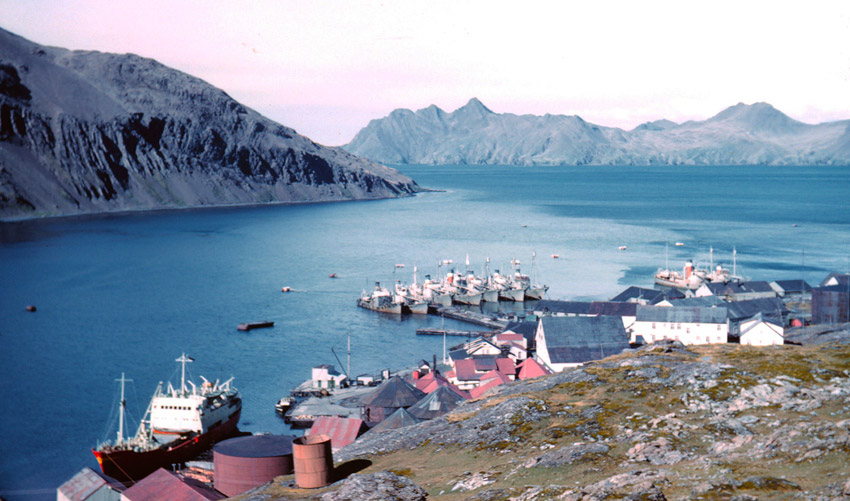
x: 129, y: 293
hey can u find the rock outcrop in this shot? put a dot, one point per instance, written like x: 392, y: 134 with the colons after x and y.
x: 84, y: 132
x: 473, y: 134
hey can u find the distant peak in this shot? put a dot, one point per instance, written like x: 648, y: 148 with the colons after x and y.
x: 475, y: 104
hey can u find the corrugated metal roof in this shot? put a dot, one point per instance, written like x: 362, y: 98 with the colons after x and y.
x: 773, y: 306
x: 794, y: 286
x: 505, y: 366
x: 84, y: 484
x: 162, y: 484
x: 398, y: 419
x: 721, y: 289
x: 635, y: 292
x: 681, y: 315
x: 840, y: 279
x: 526, y: 327
x: 395, y: 392
x: 612, y: 309
x: 342, y: 431
x: 465, y: 370
x: 442, y: 401
x: 704, y: 301
x: 757, y: 286
x: 580, y: 339
x: 256, y: 446
x: 566, y: 307
x: 478, y: 391
x: 531, y: 368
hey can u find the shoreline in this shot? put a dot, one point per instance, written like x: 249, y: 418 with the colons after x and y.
x: 154, y: 210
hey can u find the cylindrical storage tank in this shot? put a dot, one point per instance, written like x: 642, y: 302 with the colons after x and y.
x: 243, y: 463
x: 314, y: 461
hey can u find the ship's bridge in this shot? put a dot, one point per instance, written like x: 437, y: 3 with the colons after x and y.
x: 177, y: 414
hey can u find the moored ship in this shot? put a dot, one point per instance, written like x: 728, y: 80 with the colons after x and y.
x: 179, y: 424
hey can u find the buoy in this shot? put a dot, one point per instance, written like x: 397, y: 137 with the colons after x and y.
x: 286, y: 289
x: 30, y: 308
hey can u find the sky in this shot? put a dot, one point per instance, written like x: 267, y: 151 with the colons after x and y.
x: 326, y: 68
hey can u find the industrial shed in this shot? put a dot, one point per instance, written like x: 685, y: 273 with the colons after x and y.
x: 570, y: 341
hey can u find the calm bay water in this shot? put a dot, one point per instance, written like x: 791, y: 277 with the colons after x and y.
x: 130, y: 293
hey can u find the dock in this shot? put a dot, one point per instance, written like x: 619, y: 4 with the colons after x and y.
x: 450, y: 332
x: 254, y: 325
x: 472, y: 317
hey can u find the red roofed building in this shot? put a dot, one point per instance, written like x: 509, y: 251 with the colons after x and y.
x: 506, y: 366
x: 465, y: 375
x: 342, y: 431
x: 162, y: 484
x: 509, y: 337
x: 433, y: 380
x: 489, y: 380
x: 531, y: 368
x: 86, y: 485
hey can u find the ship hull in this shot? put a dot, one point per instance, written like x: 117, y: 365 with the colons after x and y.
x: 517, y: 295
x: 490, y: 296
x: 130, y: 466
x: 417, y: 308
x: 471, y: 299
x: 392, y: 308
x: 536, y: 292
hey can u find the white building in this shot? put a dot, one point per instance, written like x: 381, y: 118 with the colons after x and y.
x: 691, y: 325
x: 326, y: 376
x: 761, y: 331
x: 564, y: 342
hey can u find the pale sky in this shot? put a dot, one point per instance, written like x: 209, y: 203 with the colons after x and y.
x: 325, y: 68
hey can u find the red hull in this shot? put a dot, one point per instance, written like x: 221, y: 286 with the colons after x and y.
x: 129, y: 466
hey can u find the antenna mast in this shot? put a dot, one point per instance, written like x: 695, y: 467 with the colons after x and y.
x: 183, y: 359
x: 121, y: 410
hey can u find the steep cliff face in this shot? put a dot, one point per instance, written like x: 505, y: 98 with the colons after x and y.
x: 88, y: 132
x: 473, y: 134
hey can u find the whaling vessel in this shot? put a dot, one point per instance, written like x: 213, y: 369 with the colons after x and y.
x: 380, y: 300
x: 179, y: 424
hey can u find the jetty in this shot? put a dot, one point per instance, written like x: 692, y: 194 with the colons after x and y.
x: 489, y: 321
x: 255, y: 325
x: 450, y: 332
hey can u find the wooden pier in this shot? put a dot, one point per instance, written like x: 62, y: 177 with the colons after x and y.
x: 450, y: 332
x: 472, y: 317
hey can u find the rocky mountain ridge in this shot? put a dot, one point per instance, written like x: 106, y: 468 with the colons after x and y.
x: 473, y: 134
x: 84, y: 132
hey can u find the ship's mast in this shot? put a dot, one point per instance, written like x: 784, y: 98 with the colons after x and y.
x: 121, y: 410
x: 734, y: 262
x: 183, y: 359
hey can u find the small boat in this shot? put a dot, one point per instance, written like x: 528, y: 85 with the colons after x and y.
x: 286, y: 289
x: 333, y: 275
x: 622, y: 247
x: 679, y: 244
x: 255, y: 325
x: 555, y: 256
x: 284, y: 404
x: 31, y: 308
x: 399, y: 266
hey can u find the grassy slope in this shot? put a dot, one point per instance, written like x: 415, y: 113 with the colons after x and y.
x: 623, y: 402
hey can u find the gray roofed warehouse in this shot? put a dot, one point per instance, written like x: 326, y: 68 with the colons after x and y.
x: 574, y: 340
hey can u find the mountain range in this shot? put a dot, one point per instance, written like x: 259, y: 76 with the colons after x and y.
x: 85, y: 132
x: 756, y: 134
